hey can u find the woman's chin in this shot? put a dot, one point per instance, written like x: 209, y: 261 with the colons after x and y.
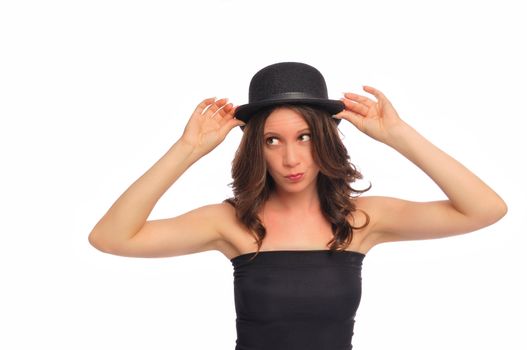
x: 294, y: 186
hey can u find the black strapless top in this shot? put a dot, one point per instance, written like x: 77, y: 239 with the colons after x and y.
x: 296, y: 299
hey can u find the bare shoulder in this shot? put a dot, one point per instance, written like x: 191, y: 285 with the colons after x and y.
x: 226, y: 215
x: 223, y: 215
x: 231, y: 230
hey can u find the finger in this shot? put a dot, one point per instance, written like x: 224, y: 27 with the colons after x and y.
x: 226, y: 111
x: 231, y: 109
x: 203, y: 104
x: 354, y: 118
x: 359, y: 98
x: 214, y: 107
x: 209, y: 106
x: 230, y: 124
x: 355, y: 107
x: 374, y: 92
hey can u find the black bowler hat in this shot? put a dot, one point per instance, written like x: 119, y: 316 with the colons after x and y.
x: 287, y: 82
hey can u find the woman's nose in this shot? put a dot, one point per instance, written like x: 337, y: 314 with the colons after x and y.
x: 291, y: 155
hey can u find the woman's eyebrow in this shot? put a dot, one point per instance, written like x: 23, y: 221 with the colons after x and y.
x: 275, y: 133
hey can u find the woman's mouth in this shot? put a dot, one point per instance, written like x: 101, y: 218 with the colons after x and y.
x: 295, y: 177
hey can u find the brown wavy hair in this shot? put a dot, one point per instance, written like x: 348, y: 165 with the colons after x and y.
x: 252, y: 184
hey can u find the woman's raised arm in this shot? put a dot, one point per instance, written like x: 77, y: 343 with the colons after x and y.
x: 471, y: 203
x: 124, y: 229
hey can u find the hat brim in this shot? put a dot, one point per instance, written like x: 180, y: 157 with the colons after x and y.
x: 246, y: 111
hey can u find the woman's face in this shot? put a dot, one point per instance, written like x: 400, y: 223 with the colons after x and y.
x: 287, y: 150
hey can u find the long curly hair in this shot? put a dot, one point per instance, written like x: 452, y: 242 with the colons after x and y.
x: 252, y: 183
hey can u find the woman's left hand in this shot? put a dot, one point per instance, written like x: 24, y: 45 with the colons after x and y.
x: 377, y: 119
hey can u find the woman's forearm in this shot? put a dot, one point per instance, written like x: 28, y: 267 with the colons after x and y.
x: 467, y: 193
x: 131, y: 210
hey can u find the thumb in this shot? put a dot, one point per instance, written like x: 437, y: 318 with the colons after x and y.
x: 356, y: 119
x: 231, y: 124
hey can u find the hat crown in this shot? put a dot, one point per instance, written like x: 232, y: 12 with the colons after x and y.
x: 287, y: 80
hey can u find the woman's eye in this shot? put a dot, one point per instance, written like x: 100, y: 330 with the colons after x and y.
x: 269, y: 138
x: 308, y: 135
x: 274, y: 141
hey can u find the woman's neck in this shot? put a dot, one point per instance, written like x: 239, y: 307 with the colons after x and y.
x: 301, y: 203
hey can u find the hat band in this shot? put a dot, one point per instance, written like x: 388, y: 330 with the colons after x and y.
x: 289, y: 96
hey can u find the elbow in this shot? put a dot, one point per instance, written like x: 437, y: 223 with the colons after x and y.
x: 93, y: 241
x: 97, y: 243
x: 488, y: 214
x: 496, y: 211
x: 501, y: 209
x: 102, y: 243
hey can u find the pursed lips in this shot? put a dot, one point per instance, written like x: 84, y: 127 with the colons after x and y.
x: 294, y: 175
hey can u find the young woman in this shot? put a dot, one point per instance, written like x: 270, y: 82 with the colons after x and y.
x: 295, y: 231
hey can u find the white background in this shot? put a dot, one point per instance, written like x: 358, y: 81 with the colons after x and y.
x: 92, y: 93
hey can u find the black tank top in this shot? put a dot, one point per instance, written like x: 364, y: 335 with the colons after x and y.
x: 296, y: 299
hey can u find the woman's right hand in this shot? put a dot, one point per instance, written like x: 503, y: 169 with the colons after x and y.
x: 207, y: 129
